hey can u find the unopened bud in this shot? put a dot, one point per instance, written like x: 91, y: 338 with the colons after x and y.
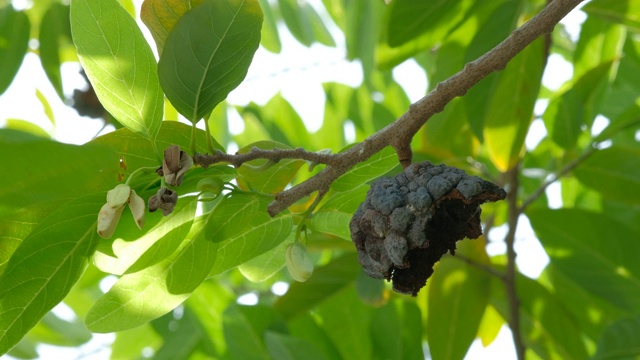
x: 298, y: 263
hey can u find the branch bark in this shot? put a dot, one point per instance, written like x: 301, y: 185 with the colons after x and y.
x: 511, y: 273
x: 399, y: 133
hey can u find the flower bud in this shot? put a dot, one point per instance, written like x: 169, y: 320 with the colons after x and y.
x: 165, y: 200
x: 118, y: 196
x: 298, y: 263
x: 137, y: 205
x: 175, y: 164
x: 108, y: 219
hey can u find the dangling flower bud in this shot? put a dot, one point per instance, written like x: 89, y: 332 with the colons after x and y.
x: 298, y: 263
x: 110, y: 212
x: 165, y: 200
x: 175, y: 164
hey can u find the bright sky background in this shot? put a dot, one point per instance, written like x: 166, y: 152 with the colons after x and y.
x: 298, y: 73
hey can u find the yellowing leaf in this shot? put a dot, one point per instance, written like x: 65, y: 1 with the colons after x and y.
x: 161, y: 16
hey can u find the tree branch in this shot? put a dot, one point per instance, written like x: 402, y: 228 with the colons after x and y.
x: 511, y: 273
x: 400, y: 133
x: 274, y: 155
x: 566, y: 169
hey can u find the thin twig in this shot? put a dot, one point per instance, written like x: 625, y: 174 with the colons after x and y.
x: 557, y: 176
x: 274, y: 155
x: 488, y: 268
x: 511, y: 273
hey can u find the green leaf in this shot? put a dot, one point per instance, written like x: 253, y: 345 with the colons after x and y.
x: 269, y: 37
x: 622, y: 95
x: 410, y: 18
x: 14, y: 39
x: 546, y: 326
x: 155, y: 245
x: 243, y: 229
x: 242, y: 339
x: 27, y: 127
x: 130, y: 344
x: 345, y: 321
x: 161, y: 16
x: 618, y: 11
x: 614, y: 172
x: 56, y: 172
x: 285, y: 347
x: 326, y: 281
x: 119, y: 63
x: 333, y: 217
x: 264, y: 266
x: 568, y: 112
x: 596, y: 252
x: 53, y: 330
x: 620, y: 340
x: 510, y: 109
x: 376, y: 166
x: 182, y: 336
x: 406, y: 342
x: 54, y: 36
x: 265, y: 176
x: 46, y: 107
x: 14, y: 229
x: 600, y: 41
x: 45, y: 266
x: 458, y: 295
x: 304, y: 23
x: 208, y: 54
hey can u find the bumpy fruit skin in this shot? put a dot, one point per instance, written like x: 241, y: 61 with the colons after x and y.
x: 408, y: 222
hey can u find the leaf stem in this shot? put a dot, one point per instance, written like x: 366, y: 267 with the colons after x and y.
x: 193, y: 139
x: 208, y: 132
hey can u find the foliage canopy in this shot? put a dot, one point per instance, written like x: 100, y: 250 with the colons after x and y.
x: 179, y: 277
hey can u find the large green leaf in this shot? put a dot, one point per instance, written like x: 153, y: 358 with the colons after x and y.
x: 614, y: 172
x: 161, y: 17
x: 285, y: 347
x: 406, y: 342
x: 183, y: 336
x: 546, y: 326
x: 326, y: 281
x: 304, y: 23
x: 377, y: 165
x: 345, y: 321
x: 155, y: 245
x: 54, y: 36
x: 333, y: 217
x: 137, y: 298
x: 596, y: 252
x: 620, y: 340
x: 243, y: 341
x: 56, y: 331
x: 243, y: 229
x: 119, y: 63
x: 14, y: 38
x: 269, y: 38
x: 410, y: 18
x: 510, y: 110
x: 55, y: 171
x: 14, y: 229
x: 600, y: 41
x: 572, y: 109
x: 45, y: 266
x: 458, y: 295
x: 208, y: 53
x: 619, y: 11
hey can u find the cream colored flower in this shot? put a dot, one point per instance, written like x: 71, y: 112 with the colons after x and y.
x: 110, y: 212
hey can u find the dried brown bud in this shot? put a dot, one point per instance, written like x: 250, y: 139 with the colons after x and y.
x: 165, y: 200
x: 175, y: 164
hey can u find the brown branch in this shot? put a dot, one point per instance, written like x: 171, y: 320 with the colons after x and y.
x: 399, y: 133
x: 274, y: 155
x: 511, y: 273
